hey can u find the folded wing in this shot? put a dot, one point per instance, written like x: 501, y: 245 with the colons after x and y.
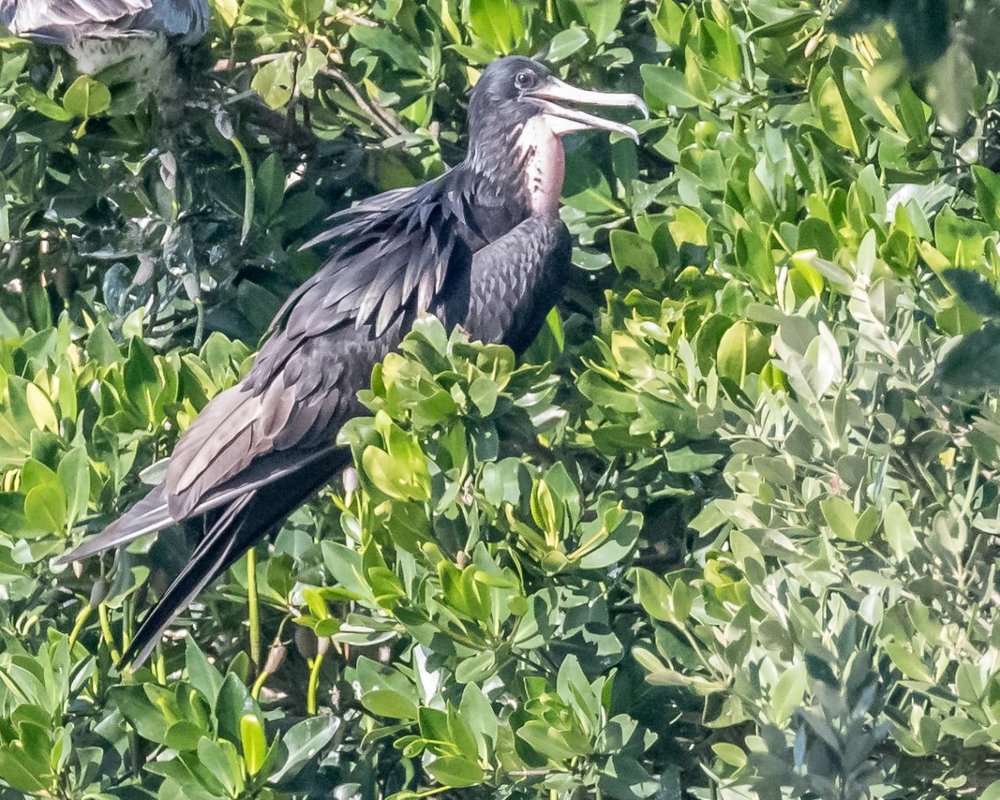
x: 260, y: 448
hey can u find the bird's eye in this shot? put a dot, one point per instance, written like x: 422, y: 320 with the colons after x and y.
x: 524, y: 80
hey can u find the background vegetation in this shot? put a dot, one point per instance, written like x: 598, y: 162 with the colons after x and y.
x: 729, y: 529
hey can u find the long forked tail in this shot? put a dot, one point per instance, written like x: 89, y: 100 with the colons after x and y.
x: 242, y: 523
x: 230, y: 536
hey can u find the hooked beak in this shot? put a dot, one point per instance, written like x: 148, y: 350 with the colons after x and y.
x: 565, y: 120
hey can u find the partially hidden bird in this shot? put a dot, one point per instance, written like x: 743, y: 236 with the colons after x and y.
x: 99, y: 33
x: 481, y: 246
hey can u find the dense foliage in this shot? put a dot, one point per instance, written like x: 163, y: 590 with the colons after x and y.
x: 727, y: 530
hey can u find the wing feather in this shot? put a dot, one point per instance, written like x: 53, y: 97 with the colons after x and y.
x: 386, y: 265
x: 242, y: 523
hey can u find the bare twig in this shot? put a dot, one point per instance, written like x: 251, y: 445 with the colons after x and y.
x: 385, y: 121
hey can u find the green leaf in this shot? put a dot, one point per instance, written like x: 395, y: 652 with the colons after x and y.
x: 203, y: 676
x: 433, y: 725
x: 601, y: 16
x: 743, y: 350
x: 74, y: 474
x: 566, y: 42
x: 667, y: 87
x: 345, y: 564
x: 668, y: 21
x: 15, y: 773
x: 787, y: 693
x: 899, y: 533
x: 274, y: 81
x: 632, y: 251
x: 86, y: 97
x: 497, y: 23
x: 270, y: 186
x: 555, y: 744
x: 134, y: 704
x: 233, y: 702
x: 223, y: 764
x: 397, y: 50
x: 987, y: 194
x: 308, y: 11
x: 183, y: 735
x: 45, y: 508
x: 304, y: 742
x: 654, y: 595
x: 43, y: 104
x: 388, y: 703
x: 401, y: 476
x: 484, y: 393
x: 454, y: 771
x: 102, y: 348
x: 254, y: 743
x: 682, y: 598
x: 730, y: 754
x: 41, y: 408
x: 959, y: 238
x: 721, y: 49
x: 7, y: 112
x: 991, y: 792
x: 834, y: 112
x: 460, y: 732
x: 142, y: 383
x: 840, y: 516
x: 478, y: 714
x: 908, y: 663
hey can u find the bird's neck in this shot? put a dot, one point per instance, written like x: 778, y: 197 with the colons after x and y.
x: 544, y: 165
x: 521, y: 174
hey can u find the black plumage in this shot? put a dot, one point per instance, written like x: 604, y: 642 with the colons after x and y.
x: 482, y: 246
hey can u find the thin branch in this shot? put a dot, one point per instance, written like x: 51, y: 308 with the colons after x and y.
x: 375, y: 111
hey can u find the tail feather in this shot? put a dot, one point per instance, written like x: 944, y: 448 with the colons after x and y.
x: 147, y: 516
x: 222, y: 545
x: 242, y: 523
x: 152, y: 513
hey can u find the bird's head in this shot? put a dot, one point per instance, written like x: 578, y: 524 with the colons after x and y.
x: 514, y: 90
x: 518, y: 114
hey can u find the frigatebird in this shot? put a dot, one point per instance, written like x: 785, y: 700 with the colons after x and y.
x: 98, y: 33
x: 481, y: 246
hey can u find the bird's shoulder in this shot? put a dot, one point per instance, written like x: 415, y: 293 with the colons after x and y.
x: 397, y: 254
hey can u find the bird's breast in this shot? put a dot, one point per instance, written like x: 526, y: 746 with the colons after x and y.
x: 516, y: 280
x: 544, y: 163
